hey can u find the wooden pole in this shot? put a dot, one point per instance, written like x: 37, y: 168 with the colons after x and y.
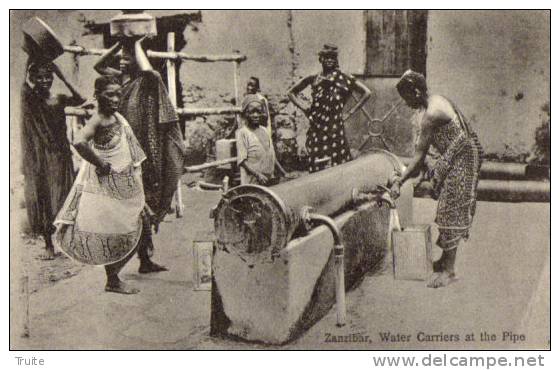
x: 196, y: 111
x: 81, y: 51
x: 195, y: 58
x: 193, y: 111
x: 236, y: 80
x: 172, y: 91
x: 205, y: 166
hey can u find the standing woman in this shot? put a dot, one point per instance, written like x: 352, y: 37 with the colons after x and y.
x: 46, y: 157
x: 454, y: 177
x: 330, y: 89
x: 101, y: 221
x: 146, y: 106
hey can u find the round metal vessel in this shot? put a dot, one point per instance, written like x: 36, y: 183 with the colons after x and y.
x: 40, y: 41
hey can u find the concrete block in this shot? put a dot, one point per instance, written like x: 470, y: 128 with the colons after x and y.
x: 275, y: 301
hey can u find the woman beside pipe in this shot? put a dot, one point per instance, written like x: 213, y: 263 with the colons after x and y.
x: 326, y: 141
x: 454, y: 177
x: 146, y: 106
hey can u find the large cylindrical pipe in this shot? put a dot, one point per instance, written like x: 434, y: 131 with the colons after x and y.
x: 503, y: 171
x: 514, y: 191
x: 504, y: 191
x: 329, y: 191
x: 251, y: 219
x: 490, y: 170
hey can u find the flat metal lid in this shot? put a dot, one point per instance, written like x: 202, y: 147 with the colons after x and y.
x: 253, y: 223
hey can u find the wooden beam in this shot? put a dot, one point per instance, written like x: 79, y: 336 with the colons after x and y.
x: 236, y: 81
x: 208, y: 111
x: 173, y: 55
x: 80, y: 50
x: 207, y: 165
x: 197, y: 58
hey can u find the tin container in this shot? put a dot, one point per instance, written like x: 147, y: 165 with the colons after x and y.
x: 133, y: 23
x: 226, y: 148
x: 412, y: 253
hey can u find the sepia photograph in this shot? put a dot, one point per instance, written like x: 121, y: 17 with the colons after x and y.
x: 280, y: 180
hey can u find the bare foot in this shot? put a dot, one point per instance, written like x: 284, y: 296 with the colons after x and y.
x: 148, y: 267
x: 438, y: 266
x: 49, y: 255
x: 121, y: 288
x: 441, y: 279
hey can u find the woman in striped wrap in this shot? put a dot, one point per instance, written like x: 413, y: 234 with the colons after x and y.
x: 454, y: 177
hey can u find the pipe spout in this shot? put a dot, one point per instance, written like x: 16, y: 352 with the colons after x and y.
x: 308, y: 217
x: 379, y: 195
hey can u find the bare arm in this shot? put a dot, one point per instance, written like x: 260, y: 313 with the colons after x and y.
x: 296, y: 89
x: 280, y: 168
x: 419, y: 154
x: 141, y: 57
x: 365, y: 93
x: 81, y: 145
x: 102, y: 66
x: 260, y: 177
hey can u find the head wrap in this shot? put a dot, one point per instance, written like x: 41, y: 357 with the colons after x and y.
x: 329, y: 49
x: 257, y: 82
x: 35, y: 66
x: 251, y: 98
x: 412, y: 80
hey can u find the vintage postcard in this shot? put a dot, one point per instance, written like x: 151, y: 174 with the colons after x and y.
x: 364, y: 179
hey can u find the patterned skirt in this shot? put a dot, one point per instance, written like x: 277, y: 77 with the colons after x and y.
x: 457, y: 196
x: 101, y: 220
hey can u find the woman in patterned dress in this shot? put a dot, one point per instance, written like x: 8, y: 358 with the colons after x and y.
x: 101, y: 220
x: 326, y: 142
x: 454, y: 177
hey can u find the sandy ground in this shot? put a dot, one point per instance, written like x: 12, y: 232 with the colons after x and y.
x: 504, y: 287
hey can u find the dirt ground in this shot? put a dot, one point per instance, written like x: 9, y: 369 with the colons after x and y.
x: 503, y: 286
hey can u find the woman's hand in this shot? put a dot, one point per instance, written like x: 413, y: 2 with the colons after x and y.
x: 141, y: 40
x: 395, y: 186
x: 262, y: 179
x: 346, y: 116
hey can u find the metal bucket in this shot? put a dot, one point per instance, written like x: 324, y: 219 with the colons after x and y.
x: 40, y: 41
